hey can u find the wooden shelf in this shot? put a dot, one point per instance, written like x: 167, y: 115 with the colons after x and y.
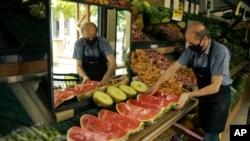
x: 152, y: 131
x: 239, y: 67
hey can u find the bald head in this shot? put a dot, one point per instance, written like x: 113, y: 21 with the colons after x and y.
x: 89, y: 30
x: 197, y: 30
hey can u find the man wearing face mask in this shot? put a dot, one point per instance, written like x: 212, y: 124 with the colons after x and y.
x: 94, y: 56
x: 210, y: 63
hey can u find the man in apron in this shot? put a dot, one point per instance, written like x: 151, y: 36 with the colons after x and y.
x: 94, y: 56
x: 210, y: 63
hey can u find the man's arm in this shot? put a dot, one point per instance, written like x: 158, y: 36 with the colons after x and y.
x: 81, y: 71
x: 111, y: 69
x: 165, y: 76
x: 210, y: 89
x: 214, y: 87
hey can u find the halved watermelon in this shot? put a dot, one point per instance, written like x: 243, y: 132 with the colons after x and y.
x: 127, y: 123
x: 148, y: 106
x: 144, y: 104
x: 171, y: 97
x: 86, y: 90
x: 137, y: 112
x: 94, y: 124
x: 76, y: 133
x: 155, y: 100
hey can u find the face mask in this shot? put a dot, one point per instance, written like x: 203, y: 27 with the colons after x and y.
x: 90, y: 42
x: 196, y: 48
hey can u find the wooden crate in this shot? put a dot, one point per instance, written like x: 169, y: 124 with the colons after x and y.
x: 9, y: 69
x: 33, y: 67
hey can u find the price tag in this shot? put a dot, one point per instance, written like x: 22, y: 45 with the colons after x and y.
x: 177, y: 14
x: 176, y: 4
x: 192, y: 8
x: 197, y: 7
x: 167, y: 3
x: 186, y: 5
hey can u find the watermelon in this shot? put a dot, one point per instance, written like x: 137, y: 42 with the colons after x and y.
x: 62, y: 95
x: 144, y: 104
x: 171, y: 97
x: 155, y: 100
x: 85, y: 91
x: 129, y: 124
x: 76, y: 133
x: 100, y: 126
x: 137, y: 112
x: 87, y: 86
x: 148, y: 106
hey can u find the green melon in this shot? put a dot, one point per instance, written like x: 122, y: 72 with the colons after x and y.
x: 102, y: 99
x: 116, y: 94
x: 139, y: 86
x: 128, y: 90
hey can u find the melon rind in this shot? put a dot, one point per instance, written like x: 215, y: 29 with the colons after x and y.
x: 116, y: 94
x: 85, y: 95
x: 128, y: 90
x: 102, y: 99
x: 139, y: 86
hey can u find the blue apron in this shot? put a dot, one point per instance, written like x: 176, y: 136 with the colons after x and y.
x: 212, y: 109
x: 95, y: 67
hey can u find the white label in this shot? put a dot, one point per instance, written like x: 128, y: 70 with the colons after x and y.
x: 192, y: 8
x: 186, y: 5
x: 176, y: 4
x: 197, y: 7
x: 167, y: 3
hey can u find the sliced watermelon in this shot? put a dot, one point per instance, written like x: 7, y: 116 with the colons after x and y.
x: 171, y: 97
x: 130, y: 124
x: 76, y: 133
x: 95, y: 124
x: 87, y: 86
x: 148, y: 106
x: 62, y: 95
x: 137, y: 112
x: 144, y: 104
x: 155, y: 100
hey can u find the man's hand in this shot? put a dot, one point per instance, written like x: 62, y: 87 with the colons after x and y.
x: 105, y: 82
x: 182, y: 100
x: 152, y: 90
x: 85, y: 79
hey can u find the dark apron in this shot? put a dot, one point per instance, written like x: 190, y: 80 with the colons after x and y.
x: 212, y: 109
x: 95, y: 67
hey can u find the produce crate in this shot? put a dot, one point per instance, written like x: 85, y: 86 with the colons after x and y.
x: 65, y: 80
x: 178, y: 132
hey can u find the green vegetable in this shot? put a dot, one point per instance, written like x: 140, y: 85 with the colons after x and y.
x: 138, y: 4
x: 152, y: 12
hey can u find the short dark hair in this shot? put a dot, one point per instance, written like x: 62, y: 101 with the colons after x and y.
x: 203, y: 33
